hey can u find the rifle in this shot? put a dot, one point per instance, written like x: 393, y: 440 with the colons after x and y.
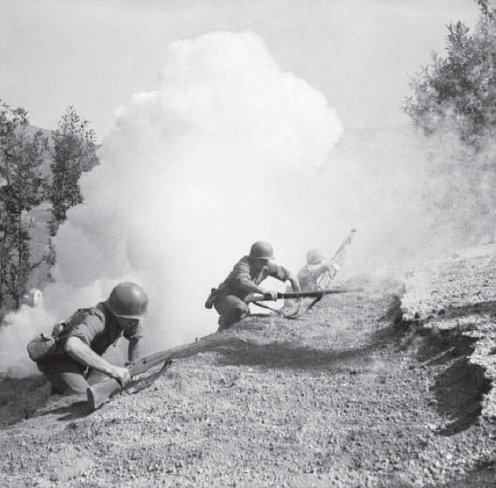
x: 262, y: 297
x: 317, y: 295
x: 339, y: 255
x: 101, y: 392
x: 325, y: 280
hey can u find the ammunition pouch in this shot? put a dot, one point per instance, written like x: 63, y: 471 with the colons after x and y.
x: 43, y: 345
x: 214, y: 293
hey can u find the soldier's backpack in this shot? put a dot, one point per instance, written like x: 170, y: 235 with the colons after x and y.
x: 214, y: 293
x: 44, y: 345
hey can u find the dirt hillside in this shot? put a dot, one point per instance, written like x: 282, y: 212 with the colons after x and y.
x: 387, y: 387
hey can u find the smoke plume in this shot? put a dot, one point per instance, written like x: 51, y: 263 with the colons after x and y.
x: 229, y: 150
x: 190, y: 176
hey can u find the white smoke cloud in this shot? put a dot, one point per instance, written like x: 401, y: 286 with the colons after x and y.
x: 219, y: 156
x: 228, y: 150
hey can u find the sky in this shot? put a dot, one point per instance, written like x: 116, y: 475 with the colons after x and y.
x: 223, y: 123
x: 95, y: 54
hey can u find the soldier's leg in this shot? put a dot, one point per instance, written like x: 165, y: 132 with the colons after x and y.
x: 95, y: 376
x: 65, y: 373
x: 231, y: 310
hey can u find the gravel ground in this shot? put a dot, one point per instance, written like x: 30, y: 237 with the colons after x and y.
x: 389, y: 387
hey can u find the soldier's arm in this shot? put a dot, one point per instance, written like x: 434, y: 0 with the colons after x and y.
x: 317, y: 269
x: 333, y: 267
x: 81, y: 352
x: 250, y: 287
x: 295, y: 284
x: 133, y: 350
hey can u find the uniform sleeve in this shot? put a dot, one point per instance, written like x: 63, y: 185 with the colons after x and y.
x: 86, y: 326
x: 313, y: 271
x: 240, y: 271
x: 278, y: 272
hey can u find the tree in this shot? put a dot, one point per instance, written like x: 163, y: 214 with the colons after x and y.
x: 458, y: 92
x: 22, y: 187
x: 74, y: 152
x: 454, y: 105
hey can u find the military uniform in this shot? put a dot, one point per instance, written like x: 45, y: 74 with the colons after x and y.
x: 98, y: 328
x: 309, y: 275
x: 228, y: 298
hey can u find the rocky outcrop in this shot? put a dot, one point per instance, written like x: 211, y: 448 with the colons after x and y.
x: 456, y: 296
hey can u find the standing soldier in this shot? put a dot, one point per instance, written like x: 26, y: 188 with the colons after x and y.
x: 319, y: 272
x: 80, y: 341
x: 316, y: 268
x: 245, y: 278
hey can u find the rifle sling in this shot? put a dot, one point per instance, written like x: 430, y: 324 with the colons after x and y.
x: 293, y: 315
x: 143, y: 383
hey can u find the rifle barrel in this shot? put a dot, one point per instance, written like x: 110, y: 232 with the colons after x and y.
x: 314, y: 294
x: 302, y: 294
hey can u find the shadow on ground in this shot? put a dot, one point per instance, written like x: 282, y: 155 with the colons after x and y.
x: 483, y: 476
x: 25, y: 398
x: 458, y: 386
x: 19, y: 398
x: 455, y: 312
x: 287, y: 354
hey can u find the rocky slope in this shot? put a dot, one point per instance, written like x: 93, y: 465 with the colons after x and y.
x: 456, y: 297
x: 389, y: 387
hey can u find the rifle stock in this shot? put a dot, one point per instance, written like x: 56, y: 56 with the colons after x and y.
x: 101, y: 392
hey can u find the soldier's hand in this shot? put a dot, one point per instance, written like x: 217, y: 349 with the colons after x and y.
x: 273, y: 294
x: 121, y: 375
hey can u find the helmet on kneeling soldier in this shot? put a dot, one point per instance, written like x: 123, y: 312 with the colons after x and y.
x: 128, y: 300
x: 261, y: 250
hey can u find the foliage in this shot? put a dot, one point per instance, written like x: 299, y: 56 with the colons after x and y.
x: 74, y: 152
x: 458, y: 92
x: 22, y: 187
x: 454, y: 105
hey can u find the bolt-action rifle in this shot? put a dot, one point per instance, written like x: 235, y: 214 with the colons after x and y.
x: 317, y: 295
x: 101, y: 392
x: 324, y: 281
x: 261, y: 297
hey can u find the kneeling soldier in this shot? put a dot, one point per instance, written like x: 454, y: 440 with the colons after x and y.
x: 81, y: 340
x: 245, y: 278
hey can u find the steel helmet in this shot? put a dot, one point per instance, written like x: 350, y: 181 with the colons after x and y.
x: 261, y: 250
x: 128, y: 300
x: 314, y: 256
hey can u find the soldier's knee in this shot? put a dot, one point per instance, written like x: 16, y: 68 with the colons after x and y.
x: 226, y: 321
x: 231, y: 317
